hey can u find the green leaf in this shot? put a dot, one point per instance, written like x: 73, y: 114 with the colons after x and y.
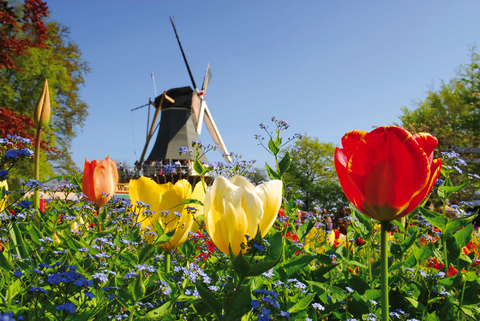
x: 296, y: 264
x: 198, y: 167
x: 453, y: 248
x: 436, y: 219
x: 337, y: 294
x: 210, y: 300
x: 409, y: 241
x: 103, y: 215
x: 5, y: 264
x: 17, y: 239
x: 273, y: 147
x: 139, y: 288
x: 276, y: 246
x: 144, y: 253
x: 358, y: 284
x: 362, y: 225
x: 241, y: 305
x: 162, y: 310
x: 373, y: 294
x: 272, y: 173
x: 284, y: 164
x: 424, y: 252
x: 457, y: 223
x: 468, y: 312
x: 112, y: 231
x: 241, y: 266
x: 190, y: 201
x: 304, y: 229
x: 302, y: 303
x: 261, y: 267
x: 413, y: 302
x: 464, y: 236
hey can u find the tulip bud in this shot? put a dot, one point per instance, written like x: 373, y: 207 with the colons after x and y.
x: 41, y: 115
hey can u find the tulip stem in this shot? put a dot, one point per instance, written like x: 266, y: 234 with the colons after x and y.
x: 369, y: 262
x: 37, y: 174
x: 384, y: 270
x: 444, y: 241
x: 167, y: 262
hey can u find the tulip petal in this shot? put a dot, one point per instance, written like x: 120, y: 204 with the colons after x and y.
x: 243, y: 211
x: 105, y: 178
x: 351, y: 140
x: 428, y: 143
x: 388, y: 169
x: 418, y: 199
x: 87, y: 181
x: 241, y: 181
x: 350, y: 190
x: 271, y: 195
x: 213, y: 206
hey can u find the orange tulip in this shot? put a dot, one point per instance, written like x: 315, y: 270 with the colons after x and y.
x: 98, y: 178
x: 388, y: 172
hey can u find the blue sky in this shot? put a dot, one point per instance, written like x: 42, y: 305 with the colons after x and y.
x: 326, y: 67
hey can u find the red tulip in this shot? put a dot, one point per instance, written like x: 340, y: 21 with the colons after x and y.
x: 98, y: 178
x: 388, y: 172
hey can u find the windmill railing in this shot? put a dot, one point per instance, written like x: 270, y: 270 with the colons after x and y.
x: 154, y: 169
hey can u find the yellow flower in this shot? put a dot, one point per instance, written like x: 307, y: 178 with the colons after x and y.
x: 3, y: 196
x: 235, y: 208
x: 166, y: 197
x: 314, y: 237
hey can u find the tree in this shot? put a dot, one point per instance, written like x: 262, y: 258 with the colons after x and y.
x: 15, y: 24
x: 441, y: 115
x: 311, y: 174
x: 60, y: 61
x: 452, y: 115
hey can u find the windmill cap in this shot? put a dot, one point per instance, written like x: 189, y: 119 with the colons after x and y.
x: 182, y: 96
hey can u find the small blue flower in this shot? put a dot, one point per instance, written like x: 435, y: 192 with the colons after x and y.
x: 18, y: 274
x: 70, y: 307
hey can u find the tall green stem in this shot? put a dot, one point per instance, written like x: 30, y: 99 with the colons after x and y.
x: 37, y: 166
x: 384, y: 269
x: 444, y: 241
x: 36, y: 199
x: 369, y: 262
x: 167, y: 262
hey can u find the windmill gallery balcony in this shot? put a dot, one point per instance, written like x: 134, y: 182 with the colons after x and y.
x: 160, y: 171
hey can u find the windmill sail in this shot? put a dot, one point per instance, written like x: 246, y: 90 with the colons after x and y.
x: 212, y: 128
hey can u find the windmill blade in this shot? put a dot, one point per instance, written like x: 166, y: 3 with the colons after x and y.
x: 199, y: 114
x: 206, y: 80
x: 212, y: 128
x: 183, y: 54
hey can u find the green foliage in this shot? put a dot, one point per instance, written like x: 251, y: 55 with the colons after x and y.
x: 62, y: 64
x: 311, y: 172
x: 452, y: 115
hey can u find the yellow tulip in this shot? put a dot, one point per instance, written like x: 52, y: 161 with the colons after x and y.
x: 163, y: 198
x: 3, y: 196
x: 235, y: 208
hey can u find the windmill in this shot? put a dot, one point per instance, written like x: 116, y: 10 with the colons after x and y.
x: 183, y: 112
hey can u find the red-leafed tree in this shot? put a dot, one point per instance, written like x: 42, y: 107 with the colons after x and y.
x: 34, y: 48
x: 12, y: 123
x: 21, y: 30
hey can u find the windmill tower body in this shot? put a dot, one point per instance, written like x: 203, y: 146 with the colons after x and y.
x: 177, y: 127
